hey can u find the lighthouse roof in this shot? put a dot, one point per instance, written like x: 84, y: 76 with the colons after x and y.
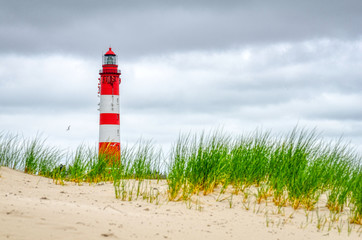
x: 110, y: 52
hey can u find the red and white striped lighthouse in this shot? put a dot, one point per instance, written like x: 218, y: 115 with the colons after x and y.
x: 109, y: 134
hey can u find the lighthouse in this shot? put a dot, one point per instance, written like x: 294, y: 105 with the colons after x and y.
x: 108, y: 90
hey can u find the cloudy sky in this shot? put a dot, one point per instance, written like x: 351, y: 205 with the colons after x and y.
x: 186, y: 66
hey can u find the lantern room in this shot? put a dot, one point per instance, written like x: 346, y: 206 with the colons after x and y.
x: 110, y: 58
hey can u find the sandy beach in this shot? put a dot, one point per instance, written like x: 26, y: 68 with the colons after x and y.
x: 34, y: 207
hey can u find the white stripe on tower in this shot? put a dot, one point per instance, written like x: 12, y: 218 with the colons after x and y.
x: 109, y: 104
x: 109, y: 133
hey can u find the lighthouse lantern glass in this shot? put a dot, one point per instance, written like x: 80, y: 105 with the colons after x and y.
x: 110, y: 59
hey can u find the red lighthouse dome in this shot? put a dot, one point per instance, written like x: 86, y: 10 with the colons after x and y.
x: 110, y: 52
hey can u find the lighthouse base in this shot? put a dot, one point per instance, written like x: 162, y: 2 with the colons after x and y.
x: 110, y: 150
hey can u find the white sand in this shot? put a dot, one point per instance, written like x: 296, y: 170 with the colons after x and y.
x: 33, y: 207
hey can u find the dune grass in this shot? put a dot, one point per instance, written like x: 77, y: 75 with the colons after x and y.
x: 293, y: 170
x: 84, y: 165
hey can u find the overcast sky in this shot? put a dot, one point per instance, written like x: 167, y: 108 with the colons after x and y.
x: 186, y: 66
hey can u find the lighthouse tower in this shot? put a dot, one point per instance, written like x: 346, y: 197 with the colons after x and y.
x: 108, y: 88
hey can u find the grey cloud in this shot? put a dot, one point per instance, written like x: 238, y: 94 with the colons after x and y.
x: 269, y: 78
x: 137, y: 28
x: 338, y: 114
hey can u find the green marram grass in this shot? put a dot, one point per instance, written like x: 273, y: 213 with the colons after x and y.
x: 84, y: 165
x: 293, y: 169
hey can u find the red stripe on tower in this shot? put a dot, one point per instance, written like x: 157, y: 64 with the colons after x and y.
x: 109, y: 118
x: 109, y: 134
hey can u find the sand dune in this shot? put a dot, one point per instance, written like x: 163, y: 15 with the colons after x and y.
x: 33, y: 207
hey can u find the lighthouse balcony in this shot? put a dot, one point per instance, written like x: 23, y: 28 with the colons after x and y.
x: 110, y: 71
